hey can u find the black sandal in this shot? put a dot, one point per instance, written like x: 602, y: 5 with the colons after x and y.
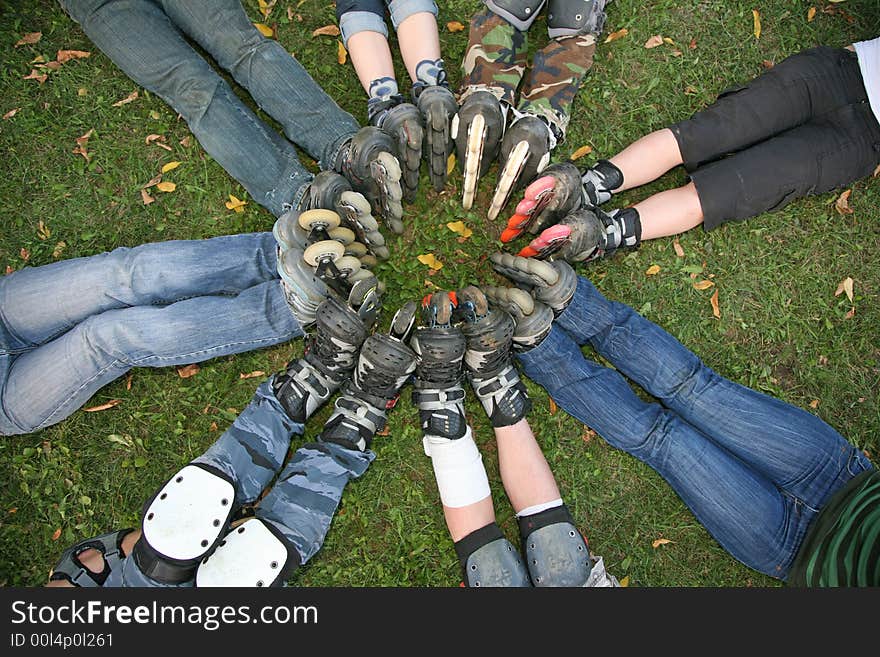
x: 72, y: 570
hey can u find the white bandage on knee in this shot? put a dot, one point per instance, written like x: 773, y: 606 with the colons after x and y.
x: 458, y: 468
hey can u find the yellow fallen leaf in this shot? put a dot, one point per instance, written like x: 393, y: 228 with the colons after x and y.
x: 579, y: 153
x: 251, y: 375
x: 703, y: 285
x: 846, y: 285
x: 341, y: 52
x: 842, y: 203
x: 235, y: 204
x: 756, y: 19
x: 43, y: 231
x: 450, y: 164
x: 614, y: 36
x: 170, y: 166
x: 624, y: 582
x: 103, y: 407
x: 811, y: 14
x: 11, y: 113
x: 454, y: 26
x: 188, y: 370
x: 266, y: 7
x: 654, y: 41
x: 327, y: 30
x: 129, y: 98
x: 264, y: 29
x: 29, y: 39
x: 716, y: 311
x: 678, y: 250
x: 669, y: 41
x: 145, y: 197
x: 213, y: 426
x: 553, y: 406
x: 814, y: 403
x: 429, y: 260
x: 59, y: 249
x: 166, y: 186
x: 653, y: 270
x: 460, y: 228
x: 66, y: 55
x: 660, y: 541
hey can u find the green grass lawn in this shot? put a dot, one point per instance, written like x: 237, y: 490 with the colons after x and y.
x: 782, y: 329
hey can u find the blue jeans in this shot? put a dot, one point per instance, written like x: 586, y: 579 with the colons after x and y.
x: 369, y: 15
x: 147, y: 39
x: 71, y: 327
x: 754, y: 470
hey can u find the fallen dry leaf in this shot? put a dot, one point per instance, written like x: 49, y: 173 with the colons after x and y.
x: 29, y: 39
x: 693, y: 44
x: 11, y: 113
x: 327, y: 30
x: 251, y: 375
x: 185, y: 142
x: 450, y: 164
x: 823, y: 360
x: 756, y: 20
x: 654, y: 41
x: 579, y: 153
x: 614, y: 36
x: 81, y: 143
x: 553, y: 406
x: 188, y: 370
x: 170, y: 166
x: 146, y: 198
x: 59, y: 249
x: 814, y: 403
x: 24, y: 254
x: 460, y: 228
x: 846, y: 285
x: 811, y: 14
x: 125, y: 101
x: 588, y: 434
x: 264, y: 29
x: 151, y: 138
x: 36, y: 75
x: 429, y: 260
x: 235, y: 204
x: 660, y: 541
x: 266, y: 7
x: 851, y: 313
x: 82, y: 91
x: 56, y: 534
x: 653, y: 270
x: 624, y: 582
x: 152, y: 181
x: 714, y: 301
x: 341, y: 52
x: 703, y: 285
x: 290, y: 13
x: 43, y: 231
x: 431, y: 284
x: 9, y: 269
x: 65, y: 56
x: 128, y: 381
x: 213, y: 426
x: 52, y: 66
x: 669, y: 41
x: 454, y: 26
x: 842, y: 203
x: 690, y: 91
x: 103, y: 407
x: 166, y: 186
x: 679, y: 251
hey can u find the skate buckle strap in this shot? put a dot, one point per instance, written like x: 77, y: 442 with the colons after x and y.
x: 311, y: 379
x: 504, y: 380
x: 360, y: 413
x: 433, y: 399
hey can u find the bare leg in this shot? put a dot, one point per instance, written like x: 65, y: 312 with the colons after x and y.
x: 419, y: 40
x: 647, y: 158
x: 463, y: 520
x: 670, y: 212
x: 525, y: 472
x: 371, y: 57
x: 93, y: 560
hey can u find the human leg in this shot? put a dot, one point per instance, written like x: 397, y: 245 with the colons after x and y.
x: 264, y: 163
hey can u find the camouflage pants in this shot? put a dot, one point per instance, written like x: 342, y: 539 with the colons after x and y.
x: 303, y: 500
x: 495, y: 61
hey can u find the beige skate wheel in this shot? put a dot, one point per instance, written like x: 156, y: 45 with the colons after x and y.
x: 341, y: 234
x: 311, y: 219
x: 348, y: 266
x: 323, y: 250
x: 356, y: 249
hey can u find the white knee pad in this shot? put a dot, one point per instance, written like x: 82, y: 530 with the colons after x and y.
x: 249, y: 555
x: 458, y: 468
x: 183, y: 522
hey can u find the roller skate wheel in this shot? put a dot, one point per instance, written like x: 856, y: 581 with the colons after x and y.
x: 356, y: 249
x: 323, y: 250
x: 318, y: 218
x: 348, y: 266
x: 341, y: 234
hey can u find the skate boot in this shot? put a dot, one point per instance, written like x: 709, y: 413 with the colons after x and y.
x: 330, y: 354
x: 552, y: 283
x: 331, y: 191
x: 600, y: 181
x: 525, y: 151
x: 489, y: 333
x: 383, y: 367
x: 477, y: 129
x: 585, y: 235
x: 533, y: 318
x: 555, y: 193
x: 367, y: 161
x: 438, y: 107
x: 404, y: 124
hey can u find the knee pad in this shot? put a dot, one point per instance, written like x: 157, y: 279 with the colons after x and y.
x: 488, y: 559
x: 519, y: 13
x: 556, y: 554
x: 458, y: 468
x: 183, y: 522
x: 567, y: 18
x: 252, y: 554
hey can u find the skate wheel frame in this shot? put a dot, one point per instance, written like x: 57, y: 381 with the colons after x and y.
x: 403, y: 320
x: 319, y: 218
x: 512, y: 168
x: 476, y: 139
x: 323, y: 250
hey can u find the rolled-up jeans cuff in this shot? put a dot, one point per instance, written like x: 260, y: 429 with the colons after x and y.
x: 400, y: 10
x: 352, y: 22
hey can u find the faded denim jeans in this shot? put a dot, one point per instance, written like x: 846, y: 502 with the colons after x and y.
x: 148, y: 40
x: 70, y: 327
x: 754, y: 470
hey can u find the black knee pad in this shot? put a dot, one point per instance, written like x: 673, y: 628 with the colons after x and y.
x: 488, y: 559
x: 555, y: 551
x: 566, y: 18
